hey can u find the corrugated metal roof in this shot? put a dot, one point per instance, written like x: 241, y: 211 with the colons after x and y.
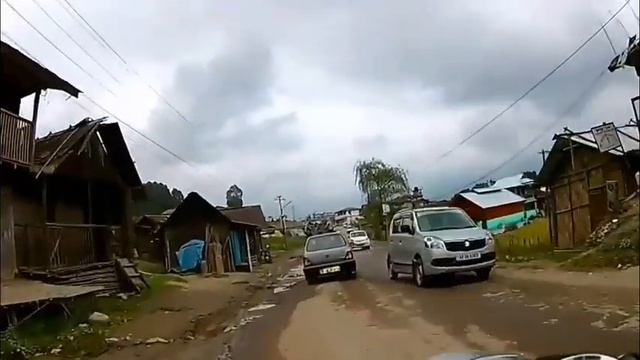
x: 560, y: 151
x: 249, y: 214
x: 491, y: 199
x: 625, y: 138
x: 511, y: 182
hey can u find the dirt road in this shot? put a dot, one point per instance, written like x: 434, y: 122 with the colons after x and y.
x: 376, y: 318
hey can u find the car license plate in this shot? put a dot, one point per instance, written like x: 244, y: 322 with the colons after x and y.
x: 329, y: 270
x: 468, y: 256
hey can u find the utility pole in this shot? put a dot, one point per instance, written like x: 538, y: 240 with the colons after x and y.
x: 293, y: 212
x: 543, y: 152
x: 283, y: 225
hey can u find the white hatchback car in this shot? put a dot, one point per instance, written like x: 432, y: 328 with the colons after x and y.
x: 359, y: 239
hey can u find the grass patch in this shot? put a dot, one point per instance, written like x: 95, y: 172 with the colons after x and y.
x: 277, y: 243
x: 603, y: 258
x: 619, y: 248
x: 527, y: 243
x: 151, y: 267
x: 50, y: 328
x: 622, y: 249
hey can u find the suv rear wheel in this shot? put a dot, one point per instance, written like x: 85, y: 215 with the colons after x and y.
x: 392, y: 274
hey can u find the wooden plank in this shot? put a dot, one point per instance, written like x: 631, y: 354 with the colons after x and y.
x: 574, y: 208
x: 70, y: 269
x: 131, y: 272
x: 97, y: 226
x: 582, y: 227
x: 99, y: 282
x: 571, y: 213
x: 565, y: 231
x: 83, y: 275
x: 34, y: 125
x: 7, y: 236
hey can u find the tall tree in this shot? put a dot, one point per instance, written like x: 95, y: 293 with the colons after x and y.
x: 379, y: 182
x: 234, y: 196
x: 177, y: 194
x: 158, y: 199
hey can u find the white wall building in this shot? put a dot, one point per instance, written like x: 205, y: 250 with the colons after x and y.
x: 347, y: 217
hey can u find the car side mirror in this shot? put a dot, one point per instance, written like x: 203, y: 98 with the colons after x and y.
x: 406, y: 229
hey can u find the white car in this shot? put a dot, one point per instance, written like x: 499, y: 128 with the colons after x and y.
x: 359, y: 239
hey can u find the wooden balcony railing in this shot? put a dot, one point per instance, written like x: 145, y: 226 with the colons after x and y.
x: 16, y: 139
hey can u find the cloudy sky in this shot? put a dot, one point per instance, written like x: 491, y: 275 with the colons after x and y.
x: 283, y: 97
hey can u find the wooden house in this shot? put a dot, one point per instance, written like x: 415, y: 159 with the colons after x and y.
x: 21, y: 77
x: 73, y: 207
x: 576, y: 175
x: 248, y: 223
x: 232, y: 237
x: 193, y: 218
x: 493, y: 209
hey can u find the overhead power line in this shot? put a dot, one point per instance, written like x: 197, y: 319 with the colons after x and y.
x: 25, y: 51
x: 57, y: 48
x: 111, y: 114
x: 535, y: 86
x: 94, y: 31
x: 581, y: 96
x: 75, y: 41
x: 634, y: 13
x: 104, y: 42
x: 80, y: 23
x: 129, y: 139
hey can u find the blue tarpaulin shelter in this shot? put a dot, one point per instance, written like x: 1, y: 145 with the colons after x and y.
x: 190, y: 255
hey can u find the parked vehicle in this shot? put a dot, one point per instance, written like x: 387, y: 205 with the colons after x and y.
x: 265, y: 254
x: 328, y: 255
x: 431, y: 241
x: 359, y: 239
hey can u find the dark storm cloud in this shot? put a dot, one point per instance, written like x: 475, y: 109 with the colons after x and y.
x: 403, y: 65
x: 471, y: 56
x: 219, y: 99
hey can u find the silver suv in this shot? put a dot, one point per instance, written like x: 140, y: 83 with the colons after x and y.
x: 432, y: 241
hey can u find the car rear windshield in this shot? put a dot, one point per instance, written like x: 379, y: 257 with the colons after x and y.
x: 325, y: 242
x: 358, y: 234
x: 443, y: 220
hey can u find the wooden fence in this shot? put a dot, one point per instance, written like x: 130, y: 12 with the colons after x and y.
x: 62, y: 245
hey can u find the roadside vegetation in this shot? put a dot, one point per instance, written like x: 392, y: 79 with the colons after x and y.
x: 614, y: 245
x: 51, y: 332
x: 379, y: 183
x: 277, y: 243
x: 617, y: 248
x: 526, y: 243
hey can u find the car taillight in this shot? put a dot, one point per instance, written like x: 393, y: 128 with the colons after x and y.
x: 307, y: 262
x: 349, y: 255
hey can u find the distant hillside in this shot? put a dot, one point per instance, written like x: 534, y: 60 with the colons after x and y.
x: 158, y: 199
